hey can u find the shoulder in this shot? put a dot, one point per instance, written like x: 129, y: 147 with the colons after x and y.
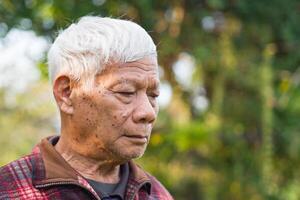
x: 158, y: 191
x: 17, y: 174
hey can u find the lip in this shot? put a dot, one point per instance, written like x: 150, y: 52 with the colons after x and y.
x: 137, y: 138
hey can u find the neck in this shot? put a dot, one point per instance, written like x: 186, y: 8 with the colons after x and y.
x: 104, y: 170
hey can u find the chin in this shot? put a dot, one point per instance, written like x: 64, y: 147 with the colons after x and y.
x: 131, y: 154
x: 137, y: 155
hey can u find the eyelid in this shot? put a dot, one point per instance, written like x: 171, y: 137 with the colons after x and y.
x: 125, y: 89
x: 126, y: 94
x: 154, y: 94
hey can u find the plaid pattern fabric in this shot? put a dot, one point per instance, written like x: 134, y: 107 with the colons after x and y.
x: 45, y: 175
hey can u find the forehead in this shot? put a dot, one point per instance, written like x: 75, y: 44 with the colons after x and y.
x: 142, y: 70
x: 145, y: 64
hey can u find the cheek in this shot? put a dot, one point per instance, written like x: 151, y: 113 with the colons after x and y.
x: 120, y: 117
x: 156, y: 108
x: 90, y: 116
x: 115, y: 111
x: 102, y: 112
x: 87, y: 112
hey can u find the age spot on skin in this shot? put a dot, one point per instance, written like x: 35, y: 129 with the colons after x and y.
x: 88, y: 122
x: 81, y: 135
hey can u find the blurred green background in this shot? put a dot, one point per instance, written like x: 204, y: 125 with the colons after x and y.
x: 228, y: 125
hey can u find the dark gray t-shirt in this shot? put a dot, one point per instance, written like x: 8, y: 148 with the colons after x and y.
x: 108, y: 191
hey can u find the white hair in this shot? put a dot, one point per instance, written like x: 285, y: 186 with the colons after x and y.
x: 86, y: 47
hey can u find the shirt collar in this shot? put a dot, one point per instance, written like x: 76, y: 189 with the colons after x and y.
x: 55, y: 168
x: 118, y: 189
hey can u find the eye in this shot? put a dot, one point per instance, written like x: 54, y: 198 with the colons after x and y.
x: 153, y: 95
x: 126, y: 94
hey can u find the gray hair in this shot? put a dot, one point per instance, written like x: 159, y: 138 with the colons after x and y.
x: 86, y: 47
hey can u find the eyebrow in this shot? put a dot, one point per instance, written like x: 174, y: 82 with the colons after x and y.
x: 136, y: 81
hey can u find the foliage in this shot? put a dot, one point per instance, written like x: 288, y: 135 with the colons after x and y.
x: 247, y: 53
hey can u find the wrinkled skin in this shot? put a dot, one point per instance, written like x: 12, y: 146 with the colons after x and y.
x: 113, y: 119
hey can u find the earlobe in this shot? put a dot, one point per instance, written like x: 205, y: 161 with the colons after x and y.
x: 62, y: 92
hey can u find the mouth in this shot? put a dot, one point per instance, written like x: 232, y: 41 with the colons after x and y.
x: 138, y: 139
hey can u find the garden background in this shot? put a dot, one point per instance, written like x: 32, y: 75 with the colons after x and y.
x: 228, y: 126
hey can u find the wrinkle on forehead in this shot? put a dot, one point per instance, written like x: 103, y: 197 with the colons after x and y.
x: 138, y: 81
x: 142, y: 71
x: 145, y: 68
x: 146, y: 64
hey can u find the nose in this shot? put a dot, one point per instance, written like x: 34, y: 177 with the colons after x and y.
x: 144, y: 111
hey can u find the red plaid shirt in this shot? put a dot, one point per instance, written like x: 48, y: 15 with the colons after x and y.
x: 44, y: 174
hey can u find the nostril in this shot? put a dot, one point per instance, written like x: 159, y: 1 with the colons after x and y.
x: 143, y: 120
x: 143, y: 116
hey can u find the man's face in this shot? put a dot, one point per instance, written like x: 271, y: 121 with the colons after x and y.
x: 115, y: 117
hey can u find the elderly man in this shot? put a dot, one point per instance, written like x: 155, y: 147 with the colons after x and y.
x: 105, y: 82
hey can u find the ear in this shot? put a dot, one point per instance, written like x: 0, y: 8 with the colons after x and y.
x: 62, y: 92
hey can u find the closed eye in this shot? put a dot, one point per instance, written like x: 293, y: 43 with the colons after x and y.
x: 126, y: 94
x: 153, y: 95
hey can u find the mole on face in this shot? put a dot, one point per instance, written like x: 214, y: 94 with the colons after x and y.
x: 124, y: 115
x: 100, y: 91
x: 89, y: 122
